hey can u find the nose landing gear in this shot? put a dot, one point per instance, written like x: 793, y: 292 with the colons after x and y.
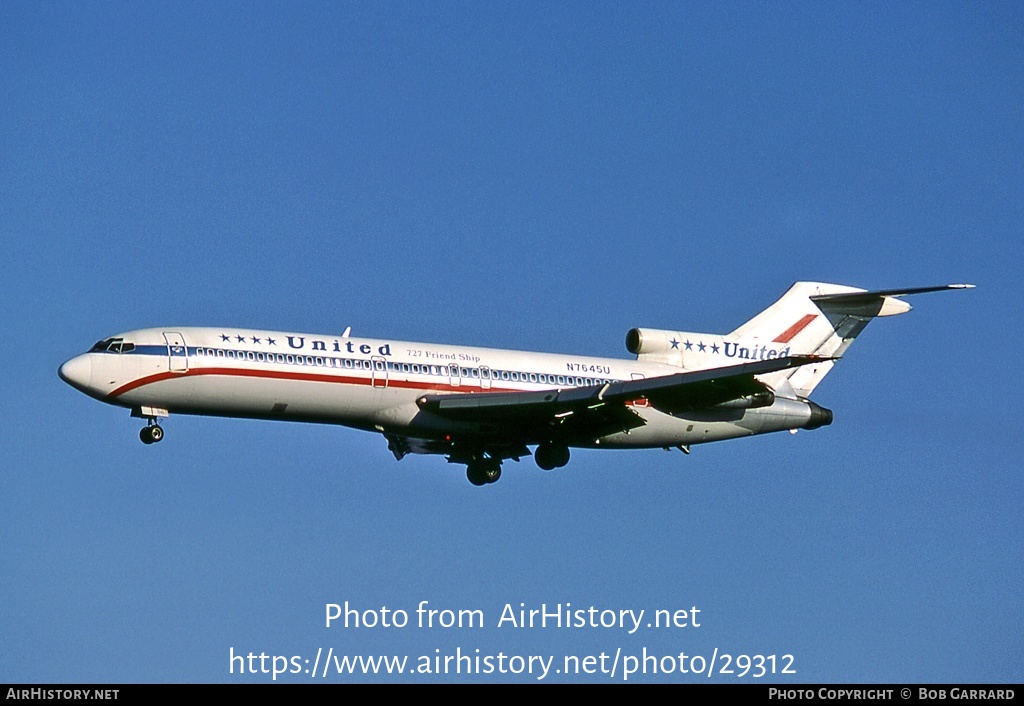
x: 152, y: 433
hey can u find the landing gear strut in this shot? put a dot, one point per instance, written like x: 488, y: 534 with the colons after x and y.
x: 483, y: 471
x: 152, y: 433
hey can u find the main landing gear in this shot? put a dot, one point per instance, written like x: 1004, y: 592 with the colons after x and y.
x: 152, y: 433
x: 550, y: 455
x: 483, y: 471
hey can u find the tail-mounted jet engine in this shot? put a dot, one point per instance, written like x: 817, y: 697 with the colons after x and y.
x: 656, y: 345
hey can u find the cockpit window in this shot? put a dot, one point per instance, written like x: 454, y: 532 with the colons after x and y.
x: 113, y: 345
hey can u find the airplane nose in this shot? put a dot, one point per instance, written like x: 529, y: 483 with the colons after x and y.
x: 77, y: 372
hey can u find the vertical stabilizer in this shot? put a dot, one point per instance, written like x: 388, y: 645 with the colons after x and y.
x: 821, y: 319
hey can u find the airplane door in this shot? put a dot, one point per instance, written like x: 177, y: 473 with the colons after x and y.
x: 177, y: 352
x: 453, y: 378
x: 485, y: 378
x: 380, y: 372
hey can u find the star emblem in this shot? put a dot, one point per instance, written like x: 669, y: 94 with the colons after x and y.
x: 701, y: 346
x: 689, y: 346
x: 241, y: 339
x: 714, y: 347
x: 271, y: 342
x: 675, y: 343
x: 225, y: 337
x: 256, y: 340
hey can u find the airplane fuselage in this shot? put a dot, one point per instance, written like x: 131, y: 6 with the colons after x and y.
x: 374, y: 384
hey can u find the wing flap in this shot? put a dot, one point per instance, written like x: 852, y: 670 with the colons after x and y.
x: 604, y: 407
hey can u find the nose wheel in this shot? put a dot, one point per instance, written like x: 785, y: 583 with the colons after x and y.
x: 152, y: 433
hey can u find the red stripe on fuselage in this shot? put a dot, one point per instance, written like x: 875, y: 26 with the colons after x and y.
x: 305, y: 377
x: 788, y: 335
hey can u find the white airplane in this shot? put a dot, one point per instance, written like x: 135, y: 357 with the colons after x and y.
x: 479, y: 406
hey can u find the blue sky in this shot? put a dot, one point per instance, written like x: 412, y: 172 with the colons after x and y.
x: 526, y: 175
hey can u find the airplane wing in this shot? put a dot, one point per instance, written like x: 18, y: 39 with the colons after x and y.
x: 601, y: 409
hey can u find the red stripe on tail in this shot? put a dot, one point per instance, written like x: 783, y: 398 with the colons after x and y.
x: 787, y: 335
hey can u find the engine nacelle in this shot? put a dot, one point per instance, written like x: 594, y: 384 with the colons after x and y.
x: 652, y: 341
x: 820, y: 417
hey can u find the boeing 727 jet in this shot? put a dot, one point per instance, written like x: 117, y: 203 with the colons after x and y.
x: 480, y: 406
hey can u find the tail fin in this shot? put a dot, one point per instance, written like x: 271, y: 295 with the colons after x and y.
x: 816, y: 318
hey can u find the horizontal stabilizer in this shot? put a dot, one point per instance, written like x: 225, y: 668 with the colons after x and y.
x: 880, y: 302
